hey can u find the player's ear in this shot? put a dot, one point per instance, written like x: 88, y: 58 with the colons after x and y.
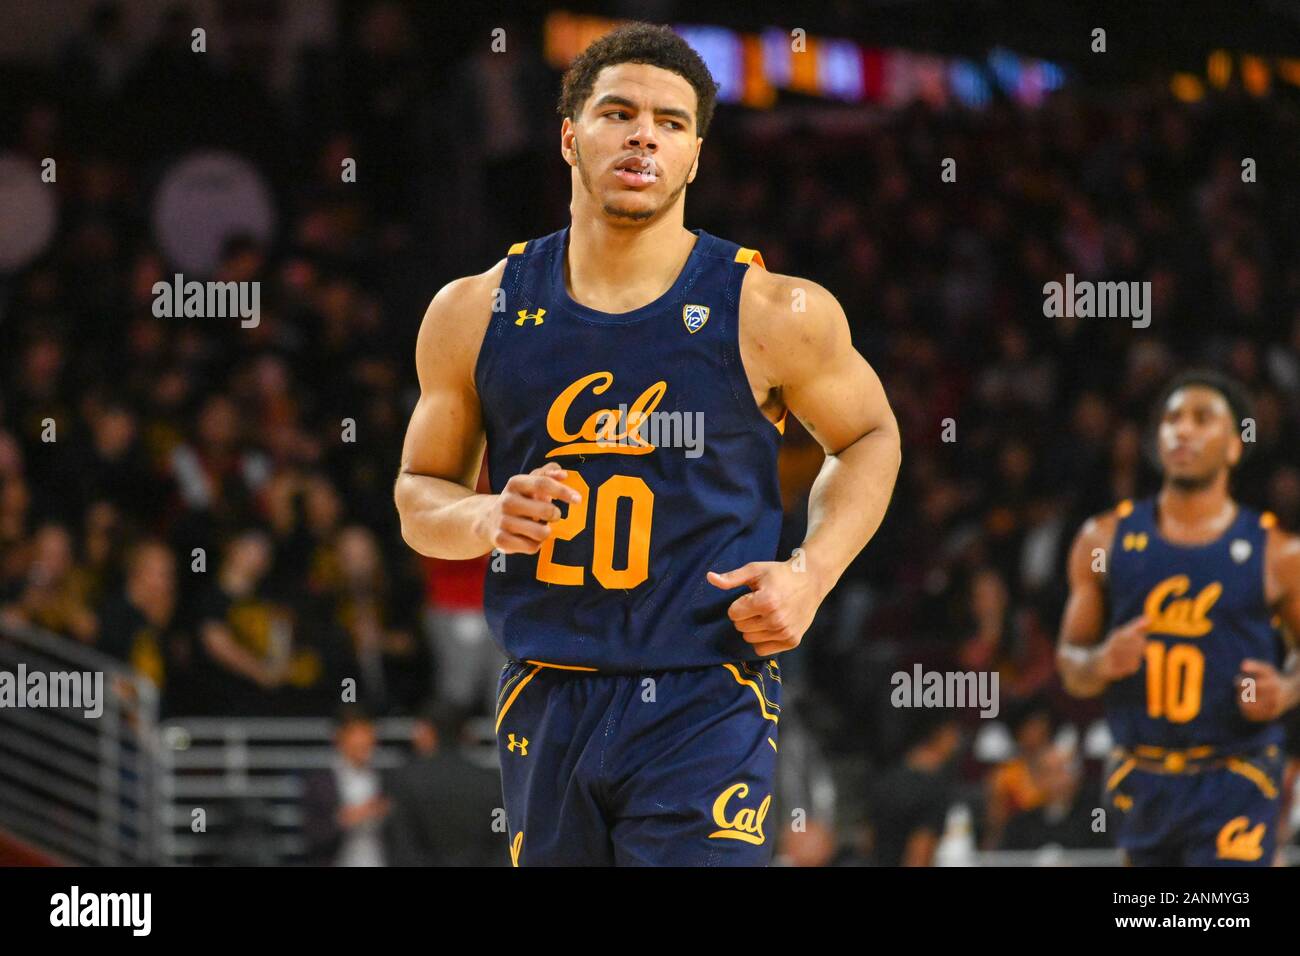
x: 1235, y: 450
x: 695, y: 166
x: 568, y: 136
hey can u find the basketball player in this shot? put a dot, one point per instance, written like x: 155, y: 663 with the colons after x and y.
x: 1190, y: 658
x: 632, y: 378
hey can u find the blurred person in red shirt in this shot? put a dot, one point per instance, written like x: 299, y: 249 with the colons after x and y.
x: 466, y: 659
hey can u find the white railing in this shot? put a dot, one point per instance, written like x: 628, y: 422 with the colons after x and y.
x: 231, y: 788
x: 82, y: 789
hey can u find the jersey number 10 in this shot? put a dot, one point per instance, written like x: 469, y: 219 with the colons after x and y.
x: 1174, y: 678
x: 636, y: 567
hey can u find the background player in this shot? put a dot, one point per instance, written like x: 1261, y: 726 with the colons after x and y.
x: 1192, y: 659
x: 637, y: 719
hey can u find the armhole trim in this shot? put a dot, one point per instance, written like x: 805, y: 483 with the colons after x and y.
x: 740, y: 386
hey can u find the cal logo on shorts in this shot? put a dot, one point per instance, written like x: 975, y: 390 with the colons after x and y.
x: 746, y: 823
x: 1238, y: 840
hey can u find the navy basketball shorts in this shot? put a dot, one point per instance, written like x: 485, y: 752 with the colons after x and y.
x: 659, y: 768
x: 1225, y: 815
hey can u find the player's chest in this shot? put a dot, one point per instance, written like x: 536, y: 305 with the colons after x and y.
x: 1183, y: 595
x: 587, y: 382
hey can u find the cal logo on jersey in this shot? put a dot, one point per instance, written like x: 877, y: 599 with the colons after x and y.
x: 694, y: 316
x: 605, y: 430
x: 1171, y: 613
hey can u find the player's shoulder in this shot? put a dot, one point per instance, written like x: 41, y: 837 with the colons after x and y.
x: 465, y: 303
x: 789, y: 315
x: 465, y: 290
x: 1098, y: 530
x: 775, y: 295
x: 457, y: 318
x: 1283, y: 546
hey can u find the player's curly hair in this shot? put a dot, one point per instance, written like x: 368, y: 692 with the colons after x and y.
x: 639, y: 43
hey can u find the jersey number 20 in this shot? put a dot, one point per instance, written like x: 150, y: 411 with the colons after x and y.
x: 636, y: 567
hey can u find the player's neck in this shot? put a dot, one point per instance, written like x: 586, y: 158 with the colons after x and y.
x: 1193, y: 514
x: 615, y: 268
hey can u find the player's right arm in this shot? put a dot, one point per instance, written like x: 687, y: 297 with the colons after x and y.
x: 1088, y: 664
x: 441, y: 515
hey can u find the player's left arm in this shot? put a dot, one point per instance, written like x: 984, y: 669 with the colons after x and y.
x: 1275, y: 692
x: 807, y: 358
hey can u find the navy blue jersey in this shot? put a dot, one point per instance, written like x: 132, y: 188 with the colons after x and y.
x: 1209, y: 612
x: 651, y: 413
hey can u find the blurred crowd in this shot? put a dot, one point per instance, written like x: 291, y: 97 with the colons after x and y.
x: 179, y: 493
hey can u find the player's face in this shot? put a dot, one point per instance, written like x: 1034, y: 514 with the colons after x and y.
x: 1198, y: 437
x: 634, y: 145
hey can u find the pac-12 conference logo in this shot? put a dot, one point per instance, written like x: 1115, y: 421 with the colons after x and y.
x: 694, y: 317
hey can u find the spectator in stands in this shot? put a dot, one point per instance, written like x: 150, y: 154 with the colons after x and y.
x: 108, y: 464
x: 364, y: 628
x: 1008, y: 639
x: 911, y: 801
x: 216, y: 475
x: 244, y: 638
x: 1065, y: 817
x: 344, y: 807
x: 138, y: 624
x: 1013, y: 788
x: 55, y: 593
x: 446, y: 808
x: 305, y: 513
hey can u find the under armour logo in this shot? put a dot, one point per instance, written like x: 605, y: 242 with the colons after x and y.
x: 521, y: 743
x: 1135, y: 541
x: 536, y: 317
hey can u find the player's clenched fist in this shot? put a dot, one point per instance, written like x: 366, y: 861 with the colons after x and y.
x: 1264, y: 697
x: 779, y: 607
x: 1121, y: 654
x: 519, y: 520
